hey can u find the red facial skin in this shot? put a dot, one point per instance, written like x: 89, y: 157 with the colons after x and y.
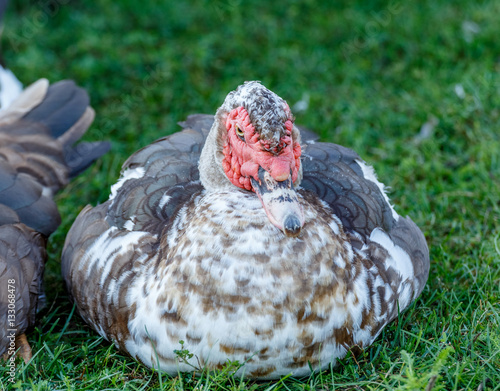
x: 243, y: 158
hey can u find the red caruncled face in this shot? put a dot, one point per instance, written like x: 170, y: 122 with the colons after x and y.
x: 244, y: 152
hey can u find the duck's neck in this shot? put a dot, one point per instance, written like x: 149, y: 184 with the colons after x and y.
x: 212, y: 175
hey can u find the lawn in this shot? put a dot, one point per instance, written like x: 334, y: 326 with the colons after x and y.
x: 413, y: 87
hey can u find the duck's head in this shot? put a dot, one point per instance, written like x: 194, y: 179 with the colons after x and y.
x: 253, y: 145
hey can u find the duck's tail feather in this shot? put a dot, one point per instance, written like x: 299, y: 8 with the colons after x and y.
x: 62, y: 107
x: 47, y: 121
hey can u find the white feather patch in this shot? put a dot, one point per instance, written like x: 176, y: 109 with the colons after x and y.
x: 369, y: 174
x: 163, y: 201
x: 129, y: 224
x: 10, y: 88
x: 399, y: 259
x: 134, y: 173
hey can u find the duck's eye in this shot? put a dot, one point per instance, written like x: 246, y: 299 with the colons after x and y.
x: 239, y: 131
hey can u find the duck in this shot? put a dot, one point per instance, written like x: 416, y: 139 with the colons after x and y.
x: 237, y: 239
x: 39, y: 154
x: 40, y: 127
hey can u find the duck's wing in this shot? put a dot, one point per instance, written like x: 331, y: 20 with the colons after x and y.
x: 394, y: 245
x: 338, y: 176
x: 155, y: 183
x: 166, y: 170
x: 37, y: 157
x: 386, y: 250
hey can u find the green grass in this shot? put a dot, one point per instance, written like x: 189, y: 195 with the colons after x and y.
x: 374, y: 73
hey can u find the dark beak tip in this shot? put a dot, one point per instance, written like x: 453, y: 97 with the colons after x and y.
x: 292, y: 226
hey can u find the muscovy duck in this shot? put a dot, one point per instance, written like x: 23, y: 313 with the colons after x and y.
x: 246, y: 243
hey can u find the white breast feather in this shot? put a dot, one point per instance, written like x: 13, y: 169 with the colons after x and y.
x: 228, y: 266
x: 222, y: 327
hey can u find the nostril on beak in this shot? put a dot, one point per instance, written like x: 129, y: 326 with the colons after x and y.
x: 292, y: 226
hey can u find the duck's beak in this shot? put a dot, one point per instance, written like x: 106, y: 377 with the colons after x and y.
x: 280, y: 202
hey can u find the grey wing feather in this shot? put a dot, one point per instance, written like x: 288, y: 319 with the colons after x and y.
x: 408, y: 236
x: 170, y: 169
x: 23, y: 197
x: 79, y: 157
x: 89, y: 224
x: 36, y: 153
x: 41, y: 141
x: 111, y: 313
x: 332, y: 172
x: 182, y: 146
x: 64, y: 104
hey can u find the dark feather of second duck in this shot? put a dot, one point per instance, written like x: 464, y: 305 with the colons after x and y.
x: 39, y: 154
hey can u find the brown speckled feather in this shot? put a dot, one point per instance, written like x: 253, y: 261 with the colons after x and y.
x: 92, y: 301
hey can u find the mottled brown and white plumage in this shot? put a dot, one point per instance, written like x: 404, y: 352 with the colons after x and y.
x: 246, y: 243
x: 37, y: 158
